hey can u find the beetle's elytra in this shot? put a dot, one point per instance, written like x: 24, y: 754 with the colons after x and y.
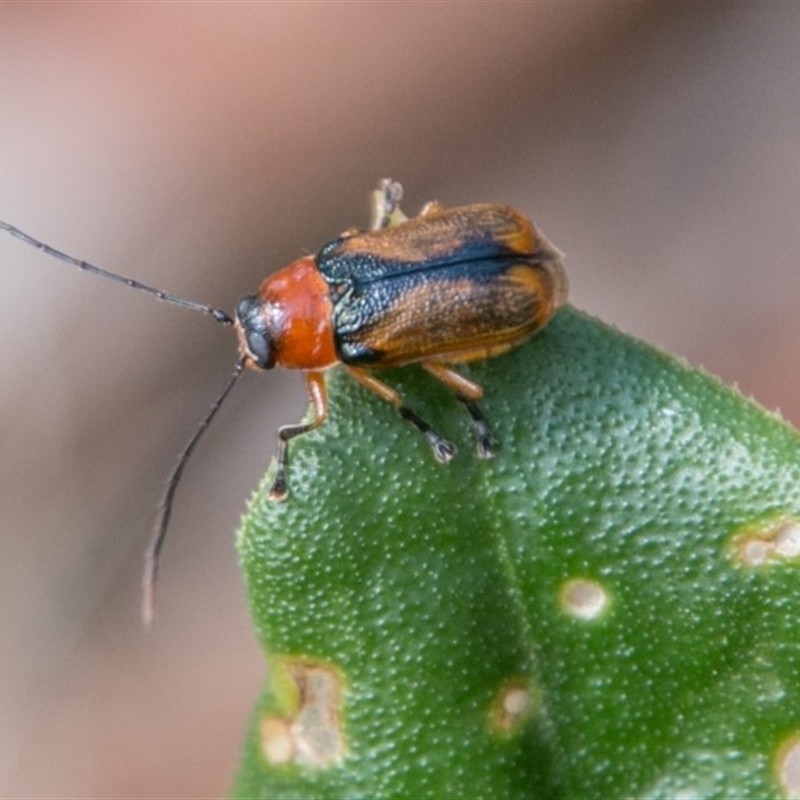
x: 445, y: 287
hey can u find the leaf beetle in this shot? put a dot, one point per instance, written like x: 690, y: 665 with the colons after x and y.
x: 448, y: 286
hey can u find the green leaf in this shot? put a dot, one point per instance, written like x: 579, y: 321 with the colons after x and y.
x: 607, y: 609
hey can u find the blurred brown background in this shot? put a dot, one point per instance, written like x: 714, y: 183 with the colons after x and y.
x: 199, y: 147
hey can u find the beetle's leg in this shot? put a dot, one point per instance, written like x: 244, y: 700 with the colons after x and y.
x: 467, y: 393
x: 431, y: 209
x: 318, y: 395
x: 486, y: 444
x: 443, y: 450
x: 385, y: 205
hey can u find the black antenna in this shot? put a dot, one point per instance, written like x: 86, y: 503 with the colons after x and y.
x: 217, y: 313
x: 165, y: 509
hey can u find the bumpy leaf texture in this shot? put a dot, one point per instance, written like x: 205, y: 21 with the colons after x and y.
x: 609, y: 608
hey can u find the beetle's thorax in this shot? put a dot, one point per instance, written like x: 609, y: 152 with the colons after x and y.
x: 289, y: 322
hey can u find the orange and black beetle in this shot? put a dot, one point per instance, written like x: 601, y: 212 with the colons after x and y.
x: 448, y: 286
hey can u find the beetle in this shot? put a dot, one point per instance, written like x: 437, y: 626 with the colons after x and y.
x: 448, y: 286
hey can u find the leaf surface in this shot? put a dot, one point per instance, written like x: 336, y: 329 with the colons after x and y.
x: 606, y: 609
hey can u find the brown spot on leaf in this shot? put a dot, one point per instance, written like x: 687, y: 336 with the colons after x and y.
x: 512, y: 705
x: 583, y: 598
x: 311, y: 733
x: 787, y: 767
x: 277, y: 741
x: 770, y: 541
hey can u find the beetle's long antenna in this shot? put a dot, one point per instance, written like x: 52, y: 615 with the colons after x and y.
x: 165, y: 509
x: 217, y: 313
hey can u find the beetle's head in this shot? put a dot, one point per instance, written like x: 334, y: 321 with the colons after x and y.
x: 252, y: 329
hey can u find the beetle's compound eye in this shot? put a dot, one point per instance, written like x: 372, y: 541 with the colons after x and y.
x: 253, y: 335
x: 261, y: 352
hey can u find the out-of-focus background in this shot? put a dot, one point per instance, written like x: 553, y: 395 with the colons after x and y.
x: 199, y: 147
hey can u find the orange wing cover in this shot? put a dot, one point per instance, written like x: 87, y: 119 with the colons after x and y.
x: 450, y: 285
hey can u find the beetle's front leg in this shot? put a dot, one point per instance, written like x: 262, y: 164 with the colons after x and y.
x: 318, y: 395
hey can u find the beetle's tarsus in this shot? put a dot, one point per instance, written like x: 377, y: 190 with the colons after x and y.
x: 280, y: 485
x: 486, y: 444
x: 279, y: 489
x: 443, y: 450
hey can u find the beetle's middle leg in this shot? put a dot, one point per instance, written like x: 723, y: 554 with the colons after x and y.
x: 443, y: 450
x: 467, y: 393
x: 318, y: 395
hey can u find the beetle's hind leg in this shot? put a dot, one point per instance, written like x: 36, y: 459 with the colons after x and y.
x: 318, y: 395
x: 486, y: 444
x: 443, y: 450
x: 467, y: 393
